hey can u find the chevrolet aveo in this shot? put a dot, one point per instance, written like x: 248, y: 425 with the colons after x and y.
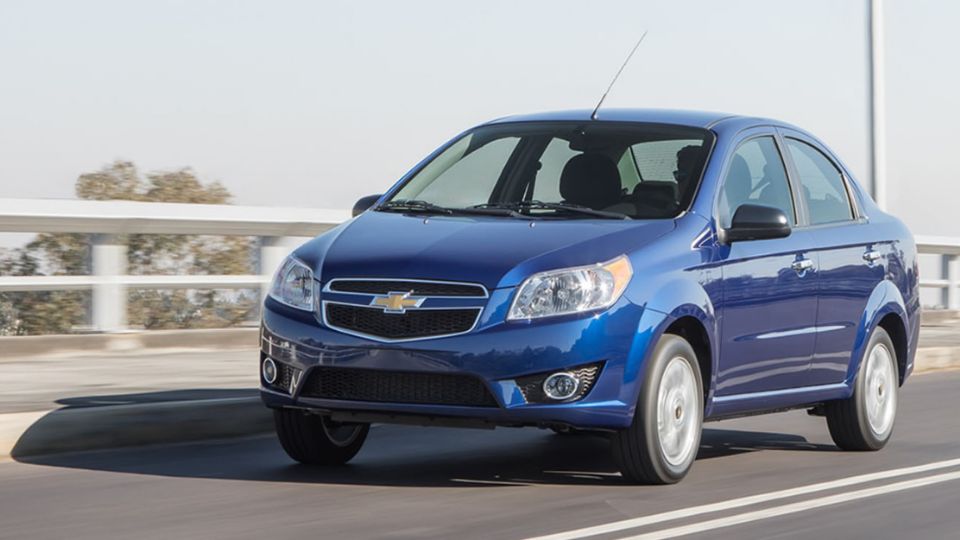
x: 635, y: 274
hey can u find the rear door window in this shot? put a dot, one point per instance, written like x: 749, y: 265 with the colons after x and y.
x: 821, y: 184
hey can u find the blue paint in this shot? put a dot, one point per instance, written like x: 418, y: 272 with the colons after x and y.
x: 777, y: 338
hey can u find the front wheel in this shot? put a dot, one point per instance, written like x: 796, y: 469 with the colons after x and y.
x: 316, y: 440
x: 661, y: 444
x: 864, y: 421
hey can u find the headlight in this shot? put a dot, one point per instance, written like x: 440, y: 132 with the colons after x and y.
x: 293, y: 285
x: 571, y: 290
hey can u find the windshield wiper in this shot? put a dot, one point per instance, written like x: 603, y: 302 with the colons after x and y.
x: 563, y: 207
x: 490, y: 211
x: 414, y: 205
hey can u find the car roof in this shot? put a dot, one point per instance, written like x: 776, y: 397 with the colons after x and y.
x: 701, y: 119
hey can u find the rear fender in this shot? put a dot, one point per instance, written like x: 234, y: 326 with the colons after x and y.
x: 885, y: 299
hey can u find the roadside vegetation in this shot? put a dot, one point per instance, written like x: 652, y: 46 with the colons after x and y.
x: 27, y: 313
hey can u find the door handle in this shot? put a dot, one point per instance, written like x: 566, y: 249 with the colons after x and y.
x: 802, y: 265
x: 872, y: 256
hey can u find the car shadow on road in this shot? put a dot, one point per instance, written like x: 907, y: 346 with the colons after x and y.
x: 417, y: 457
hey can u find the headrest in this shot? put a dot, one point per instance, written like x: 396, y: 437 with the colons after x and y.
x: 660, y: 191
x: 591, y: 180
x: 739, y: 183
x: 687, y: 158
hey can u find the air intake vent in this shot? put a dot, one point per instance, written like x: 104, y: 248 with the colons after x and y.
x: 352, y: 384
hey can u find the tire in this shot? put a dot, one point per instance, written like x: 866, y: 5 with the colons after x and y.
x: 316, y: 440
x: 864, y: 421
x: 672, y: 391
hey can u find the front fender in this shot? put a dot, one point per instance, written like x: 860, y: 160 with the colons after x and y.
x: 674, y: 300
x: 884, y: 299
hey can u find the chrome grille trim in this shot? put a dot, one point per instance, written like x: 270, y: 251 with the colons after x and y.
x: 368, y: 298
x: 486, y: 294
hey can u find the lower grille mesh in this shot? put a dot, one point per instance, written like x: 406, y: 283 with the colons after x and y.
x: 353, y: 384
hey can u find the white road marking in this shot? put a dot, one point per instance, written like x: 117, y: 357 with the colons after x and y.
x: 745, y: 501
x: 793, y: 508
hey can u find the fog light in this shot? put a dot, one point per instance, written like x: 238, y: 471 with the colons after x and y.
x: 269, y: 370
x: 561, y: 386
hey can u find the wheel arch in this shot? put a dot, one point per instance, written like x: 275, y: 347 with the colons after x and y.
x: 683, y: 307
x: 693, y: 331
x: 885, y: 309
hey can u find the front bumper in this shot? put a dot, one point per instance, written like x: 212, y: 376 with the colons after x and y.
x: 496, y: 353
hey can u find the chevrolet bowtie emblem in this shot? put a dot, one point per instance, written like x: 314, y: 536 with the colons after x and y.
x: 397, y: 302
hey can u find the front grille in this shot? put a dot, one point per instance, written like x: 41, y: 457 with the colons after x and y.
x: 411, y: 324
x: 351, y: 384
x: 417, y: 288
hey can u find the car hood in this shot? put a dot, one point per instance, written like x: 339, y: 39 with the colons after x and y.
x: 497, y: 252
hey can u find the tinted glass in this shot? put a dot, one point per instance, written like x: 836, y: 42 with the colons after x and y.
x: 463, y: 178
x: 821, y: 184
x: 639, y: 170
x: 756, y: 175
x: 554, y: 158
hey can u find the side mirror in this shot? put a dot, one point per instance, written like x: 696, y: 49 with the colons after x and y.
x: 364, y: 204
x: 757, y: 222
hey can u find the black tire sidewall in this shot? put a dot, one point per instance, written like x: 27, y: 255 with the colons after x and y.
x: 879, y: 336
x: 304, y: 438
x: 668, y: 348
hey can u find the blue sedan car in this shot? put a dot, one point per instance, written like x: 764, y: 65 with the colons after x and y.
x: 635, y: 274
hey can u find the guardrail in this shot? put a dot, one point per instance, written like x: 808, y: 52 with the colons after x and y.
x: 108, y: 221
x: 948, y: 249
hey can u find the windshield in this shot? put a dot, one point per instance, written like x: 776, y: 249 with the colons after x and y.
x: 562, y: 169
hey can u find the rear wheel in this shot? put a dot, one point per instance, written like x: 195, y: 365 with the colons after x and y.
x: 864, y: 421
x: 661, y: 444
x: 316, y: 440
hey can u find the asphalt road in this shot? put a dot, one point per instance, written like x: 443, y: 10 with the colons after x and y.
x: 446, y: 483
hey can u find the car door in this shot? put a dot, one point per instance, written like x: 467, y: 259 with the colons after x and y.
x: 769, y: 287
x: 851, y: 260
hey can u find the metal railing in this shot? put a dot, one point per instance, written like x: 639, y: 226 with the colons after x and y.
x: 948, y: 249
x: 108, y: 221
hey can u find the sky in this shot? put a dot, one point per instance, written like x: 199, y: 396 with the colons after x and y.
x: 296, y: 103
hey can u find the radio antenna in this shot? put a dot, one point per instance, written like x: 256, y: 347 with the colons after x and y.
x: 617, y: 76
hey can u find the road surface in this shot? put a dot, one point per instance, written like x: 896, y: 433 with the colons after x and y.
x: 412, y: 482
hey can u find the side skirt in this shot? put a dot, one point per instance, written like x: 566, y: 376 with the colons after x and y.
x: 775, y: 400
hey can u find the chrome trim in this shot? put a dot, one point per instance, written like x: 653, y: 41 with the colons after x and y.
x: 800, y: 331
x: 576, y: 386
x: 802, y: 266
x: 263, y: 370
x: 417, y: 302
x: 323, y: 315
x: 486, y: 293
x: 776, y: 393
